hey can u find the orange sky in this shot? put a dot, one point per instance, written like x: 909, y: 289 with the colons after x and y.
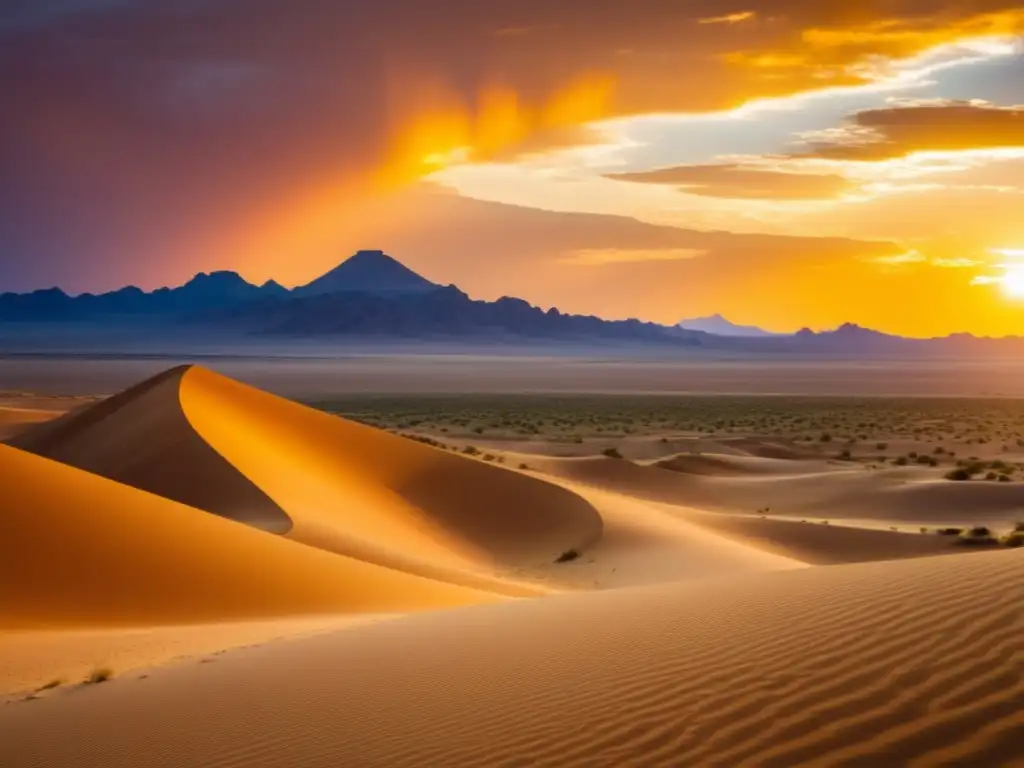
x: 784, y: 163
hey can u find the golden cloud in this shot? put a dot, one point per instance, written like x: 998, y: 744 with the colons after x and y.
x: 731, y: 18
x: 898, y: 131
x: 734, y: 181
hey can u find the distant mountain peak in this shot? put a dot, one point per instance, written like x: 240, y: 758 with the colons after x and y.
x: 368, y: 271
x: 718, y: 325
x: 217, y: 277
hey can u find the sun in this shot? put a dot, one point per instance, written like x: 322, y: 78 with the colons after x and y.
x: 1012, y: 283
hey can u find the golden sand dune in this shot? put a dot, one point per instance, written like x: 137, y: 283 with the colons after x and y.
x: 142, y: 438
x: 729, y: 464
x: 218, y: 445
x: 33, y: 658
x: 909, y: 663
x: 814, y: 543
x: 763, y: 448
x: 647, y: 543
x: 909, y: 495
x: 80, y: 550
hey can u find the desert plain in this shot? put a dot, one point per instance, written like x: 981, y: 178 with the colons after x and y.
x: 199, y: 572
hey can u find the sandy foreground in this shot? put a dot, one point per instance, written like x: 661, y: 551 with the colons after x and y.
x: 269, y: 585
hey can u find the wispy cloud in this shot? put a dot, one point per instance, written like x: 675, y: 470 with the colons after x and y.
x: 731, y: 18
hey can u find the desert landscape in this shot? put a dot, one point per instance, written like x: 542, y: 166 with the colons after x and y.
x: 203, y: 573
x: 512, y: 384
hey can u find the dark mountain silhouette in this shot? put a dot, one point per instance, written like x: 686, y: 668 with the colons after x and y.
x: 720, y: 326
x: 372, y: 294
x: 202, y: 292
x: 852, y: 340
x: 370, y: 272
x: 441, y: 312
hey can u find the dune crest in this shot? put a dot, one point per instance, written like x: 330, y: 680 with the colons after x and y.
x: 199, y: 438
x: 140, y: 437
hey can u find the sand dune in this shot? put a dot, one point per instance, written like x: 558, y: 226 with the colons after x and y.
x: 739, y: 465
x: 779, y: 670
x: 141, y: 437
x: 911, y: 496
x: 193, y: 515
x: 80, y: 550
x: 640, y: 526
x: 31, y: 659
x: 813, y: 543
x: 645, y: 543
x: 205, y: 440
x: 15, y: 419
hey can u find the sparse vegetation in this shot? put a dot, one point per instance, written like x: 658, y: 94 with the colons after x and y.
x: 99, y: 675
x: 612, y: 453
x: 569, y: 554
x: 1013, y: 539
x: 926, y: 432
x: 978, y: 536
x: 55, y: 683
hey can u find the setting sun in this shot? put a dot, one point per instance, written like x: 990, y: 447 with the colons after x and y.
x: 1012, y: 282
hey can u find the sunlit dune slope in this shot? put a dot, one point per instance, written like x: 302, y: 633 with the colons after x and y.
x: 205, y: 440
x: 140, y: 437
x: 79, y: 550
x: 646, y: 543
x: 909, y: 663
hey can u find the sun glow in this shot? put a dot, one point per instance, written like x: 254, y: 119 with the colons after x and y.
x: 1012, y: 282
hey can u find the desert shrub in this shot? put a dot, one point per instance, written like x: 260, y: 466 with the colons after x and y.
x: 471, y: 450
x: 978, y: 536
x: 949, y: 531
x: 845, y: 455
x: 612, y: 453
x: 100, y: 675
x: 900, y: 461
x: 569, y: 554
x: 991, y: 476
x: 960, y: 473
x: 1013, y: 539
x: 881, y: 446
x: 55, y: 683
x: 825, y: 437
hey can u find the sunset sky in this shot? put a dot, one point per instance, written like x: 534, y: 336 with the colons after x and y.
x: 786, y: 163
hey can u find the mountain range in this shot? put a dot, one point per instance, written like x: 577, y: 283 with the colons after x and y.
x: 372, y: 294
